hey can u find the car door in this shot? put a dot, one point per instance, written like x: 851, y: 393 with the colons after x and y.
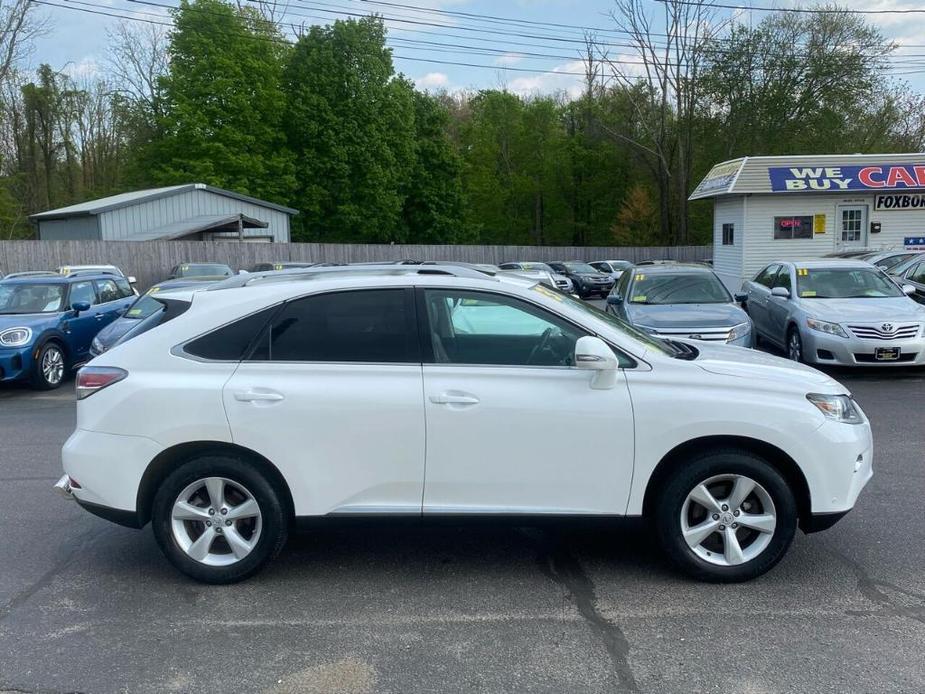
x: 512, y: 427
x: 111, y: 302
x: 82, y: 327
x: 779, y: 308
x: 759, y: 294
x: 331, y: 395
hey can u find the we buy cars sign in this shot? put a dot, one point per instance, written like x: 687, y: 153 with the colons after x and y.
x: 837, y: 178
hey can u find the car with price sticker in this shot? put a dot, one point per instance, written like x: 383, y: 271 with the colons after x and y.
x: 676, y: 301
x: 200, y: 270
x: 839, y: 312
x: 161, y: 303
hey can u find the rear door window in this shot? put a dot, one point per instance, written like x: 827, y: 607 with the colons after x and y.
x: 107, y: 291
x: 364, y: 326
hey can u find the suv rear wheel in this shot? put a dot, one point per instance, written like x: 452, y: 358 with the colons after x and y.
x: 726, y: 516
x: 218, y: 520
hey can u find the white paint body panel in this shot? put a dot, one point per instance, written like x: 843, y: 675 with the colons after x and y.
x: 539, y: 440
x: 366, y: 438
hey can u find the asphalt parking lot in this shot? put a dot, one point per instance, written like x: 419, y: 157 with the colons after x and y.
x: 86, y: 606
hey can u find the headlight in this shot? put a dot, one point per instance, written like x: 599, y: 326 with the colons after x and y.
x: 740, y: 330
x: 841, y: 408
x: 97, y: 346
x: 823, y: 326
x: 16, y: 337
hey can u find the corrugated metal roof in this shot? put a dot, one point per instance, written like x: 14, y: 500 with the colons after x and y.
x: 115, y: 202
x: 813, y: 173
x: 196, y: 224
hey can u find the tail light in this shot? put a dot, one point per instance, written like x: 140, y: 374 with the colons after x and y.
x: 91, y: 379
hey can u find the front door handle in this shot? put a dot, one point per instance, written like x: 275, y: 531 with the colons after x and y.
x: 454, y: 399
x: 258, y: 396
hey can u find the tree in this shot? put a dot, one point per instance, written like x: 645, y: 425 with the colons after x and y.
x: 638, y: 221
x: 350, y: 124
x: 433, y: 207
x: 223, y: 104
x: 19, y: 27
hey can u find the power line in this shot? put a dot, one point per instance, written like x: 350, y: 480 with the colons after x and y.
x: 806, y: 10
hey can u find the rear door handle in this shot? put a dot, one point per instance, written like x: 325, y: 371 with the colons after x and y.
x: 258, y: 396
x: 454, y: 399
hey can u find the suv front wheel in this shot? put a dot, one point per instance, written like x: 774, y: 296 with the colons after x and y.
x: 726, y: 516
x: 218, y: 519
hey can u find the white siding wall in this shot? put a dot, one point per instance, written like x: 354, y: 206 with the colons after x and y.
x: 124, y: 223
x: 761, y: 248
x: 727, y: 260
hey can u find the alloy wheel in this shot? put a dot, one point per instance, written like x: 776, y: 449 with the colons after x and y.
x: 53, y: 365
x: 216, y: 521
x: 795, y: 346
x: 728, y: 520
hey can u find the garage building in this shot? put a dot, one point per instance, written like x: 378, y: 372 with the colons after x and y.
x: 802, y: 207
x: 191, y: 212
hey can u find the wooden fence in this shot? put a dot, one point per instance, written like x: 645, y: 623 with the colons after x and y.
x: 150, y: 261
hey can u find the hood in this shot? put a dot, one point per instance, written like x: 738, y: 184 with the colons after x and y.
x: 742, y: 362
x: 664, y: 316
x: 895, y: 309
x: 36, y: 321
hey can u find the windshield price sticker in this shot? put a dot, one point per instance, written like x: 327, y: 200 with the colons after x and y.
x: 803, y: 272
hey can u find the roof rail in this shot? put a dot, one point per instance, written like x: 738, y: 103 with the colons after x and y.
x: 302, y: 274
x: 81, y: 273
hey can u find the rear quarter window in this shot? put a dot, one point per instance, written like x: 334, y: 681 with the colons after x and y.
x: 231, y: 342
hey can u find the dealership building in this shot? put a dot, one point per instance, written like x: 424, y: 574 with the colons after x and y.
x: 802, y: 207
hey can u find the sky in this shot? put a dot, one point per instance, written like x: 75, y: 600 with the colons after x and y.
x: 494, y: 49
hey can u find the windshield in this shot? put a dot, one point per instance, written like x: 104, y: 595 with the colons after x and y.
x: 678, y: 288
x: 844, y: 283
x: 580, y: 267
x: 204, y: 269
x: 890, y: 261
x: 31, y: 298
x: 615, y: 322
x: 143, y: 307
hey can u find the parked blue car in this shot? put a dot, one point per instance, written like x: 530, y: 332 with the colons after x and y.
x: 48, y: 322
x: 149, y: 310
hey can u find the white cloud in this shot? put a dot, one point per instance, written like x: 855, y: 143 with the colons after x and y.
x: 509, y: 59
x: 568, y: 77
x: 85, y: 68
x: 432, y: 80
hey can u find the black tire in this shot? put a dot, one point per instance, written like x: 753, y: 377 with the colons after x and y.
x: 37, y: 378
x: 274, y: 517
x: 793, y: 336
x: 670, y: 502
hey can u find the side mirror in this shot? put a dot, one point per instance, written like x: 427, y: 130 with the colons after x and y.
x: 131, y: 279
x: 593, y: 354
x: 740, y: 297
x: 782, y: 292
x: 614, y: 299
x: 908, y: 290
x: 80, y: 306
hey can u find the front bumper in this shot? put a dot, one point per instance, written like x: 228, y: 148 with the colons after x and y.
x: 15, y: 363
x: 820, y: 348
x: 838, y: 466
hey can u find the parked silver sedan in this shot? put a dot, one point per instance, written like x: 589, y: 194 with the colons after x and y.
x: 844, y: 312
x: 680, y: 301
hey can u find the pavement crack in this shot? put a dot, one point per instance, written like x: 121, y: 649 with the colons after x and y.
x: 561, y: 566
x: 876, y: 592
x: 46, y: 578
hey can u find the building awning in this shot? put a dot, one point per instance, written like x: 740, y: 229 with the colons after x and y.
x: 213, y: 224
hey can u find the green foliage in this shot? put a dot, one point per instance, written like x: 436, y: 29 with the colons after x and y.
x: 350, y: 124
x: 223, y: 104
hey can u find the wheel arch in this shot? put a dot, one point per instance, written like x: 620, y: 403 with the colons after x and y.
x: 776, y: 457
x: 169, y: 459
x: 55, y: 336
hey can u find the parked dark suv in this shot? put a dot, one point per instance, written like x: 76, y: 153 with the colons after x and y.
x: 586, y: 279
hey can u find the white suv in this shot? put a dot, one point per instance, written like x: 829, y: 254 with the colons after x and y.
x: 434, y: 391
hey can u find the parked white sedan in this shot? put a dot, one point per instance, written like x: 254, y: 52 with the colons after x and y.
x: 435, y: 391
